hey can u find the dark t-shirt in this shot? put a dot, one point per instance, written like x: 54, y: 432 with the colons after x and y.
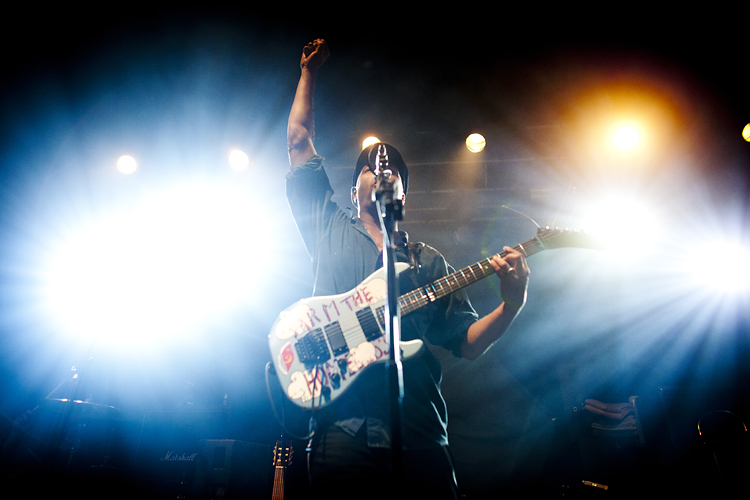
x: 343, y: 255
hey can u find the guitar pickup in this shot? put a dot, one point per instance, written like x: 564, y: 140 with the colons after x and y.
x: 312, y: 348
x: 336, y: 338
x: 369, y: 324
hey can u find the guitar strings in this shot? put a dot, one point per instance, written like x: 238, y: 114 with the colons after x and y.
x: 417, y: 298
x: 444, y: 286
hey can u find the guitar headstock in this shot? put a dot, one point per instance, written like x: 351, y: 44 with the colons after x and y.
x: 282, y: 453
x: 563, y: 238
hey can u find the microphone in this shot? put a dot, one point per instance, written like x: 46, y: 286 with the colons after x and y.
x: 381, y: 162
x: 385, y: 187
x: 384, y: 182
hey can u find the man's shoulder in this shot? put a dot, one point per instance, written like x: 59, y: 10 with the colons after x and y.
x: 422, y: 247
x: 425, y: 256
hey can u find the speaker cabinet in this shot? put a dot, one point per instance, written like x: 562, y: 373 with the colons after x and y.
x: 230, y: 469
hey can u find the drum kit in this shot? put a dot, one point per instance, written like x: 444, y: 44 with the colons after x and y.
x: 59, y: 441
x: 74, y: 447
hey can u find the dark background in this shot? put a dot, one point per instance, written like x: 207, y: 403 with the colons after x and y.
x: 530, y: 80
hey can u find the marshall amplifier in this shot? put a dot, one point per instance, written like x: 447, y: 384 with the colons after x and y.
x: 233, y: 469
x: 166, y: 453
x: 166, y: 456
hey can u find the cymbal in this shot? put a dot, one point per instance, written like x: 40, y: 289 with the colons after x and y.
x: 80, y: 408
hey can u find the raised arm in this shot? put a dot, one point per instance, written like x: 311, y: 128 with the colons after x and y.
x: 300, y: 131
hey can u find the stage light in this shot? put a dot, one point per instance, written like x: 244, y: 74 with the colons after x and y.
x: 370, y: 141
x: 626, y: 137
x: 238, y: 160
x: 475, y: 143
x: 746, y: 132
x: 126, y: 164
x: 621, y: 219
x: 159, y: 269
x: 733, y: 275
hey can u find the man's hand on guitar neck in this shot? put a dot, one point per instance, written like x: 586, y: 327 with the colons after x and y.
x: 514, y: 280
x: 514, y: 277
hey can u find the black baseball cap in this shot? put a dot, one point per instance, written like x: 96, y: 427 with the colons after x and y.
x: 395, y: 162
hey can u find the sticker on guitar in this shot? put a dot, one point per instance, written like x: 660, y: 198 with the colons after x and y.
x: 305, y: 317
x: 302, y: 318
x: 304, y: 385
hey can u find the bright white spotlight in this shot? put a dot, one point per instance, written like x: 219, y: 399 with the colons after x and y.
x: 475, y: 143
x: 159, y: 269
x: 624, y: 222
x: 626, y: 137
x: 370, y: 141
x: 732, y: 275
x: 238, y: 160
x: 126, y: 164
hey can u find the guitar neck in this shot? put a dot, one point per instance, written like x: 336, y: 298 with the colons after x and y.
x: 410, y: 302
x: 282, y: 456
x: 278, y: 483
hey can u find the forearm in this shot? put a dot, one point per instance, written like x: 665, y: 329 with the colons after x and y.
x: 514, y: 280
x: 300, y: 129
x: 487, y: 330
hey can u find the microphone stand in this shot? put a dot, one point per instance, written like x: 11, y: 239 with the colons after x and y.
x: 390, y: 211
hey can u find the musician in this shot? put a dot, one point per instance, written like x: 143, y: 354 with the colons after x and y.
x: 349, y: 452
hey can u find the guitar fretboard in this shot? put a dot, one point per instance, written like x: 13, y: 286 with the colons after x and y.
x: 410, y: 302
x: 278, y: 483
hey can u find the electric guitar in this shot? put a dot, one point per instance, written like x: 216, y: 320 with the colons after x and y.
x: 320, y: 345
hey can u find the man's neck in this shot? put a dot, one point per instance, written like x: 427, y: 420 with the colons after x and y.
x: 372, y: 224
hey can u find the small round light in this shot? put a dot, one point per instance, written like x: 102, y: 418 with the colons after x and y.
x: 126, y: 164
x: 475, y: 143
x: 238, y: 160
x: 746, y: 132
x: 370, y: 141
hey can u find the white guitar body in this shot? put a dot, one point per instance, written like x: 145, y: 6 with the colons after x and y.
x: 320, y: 344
